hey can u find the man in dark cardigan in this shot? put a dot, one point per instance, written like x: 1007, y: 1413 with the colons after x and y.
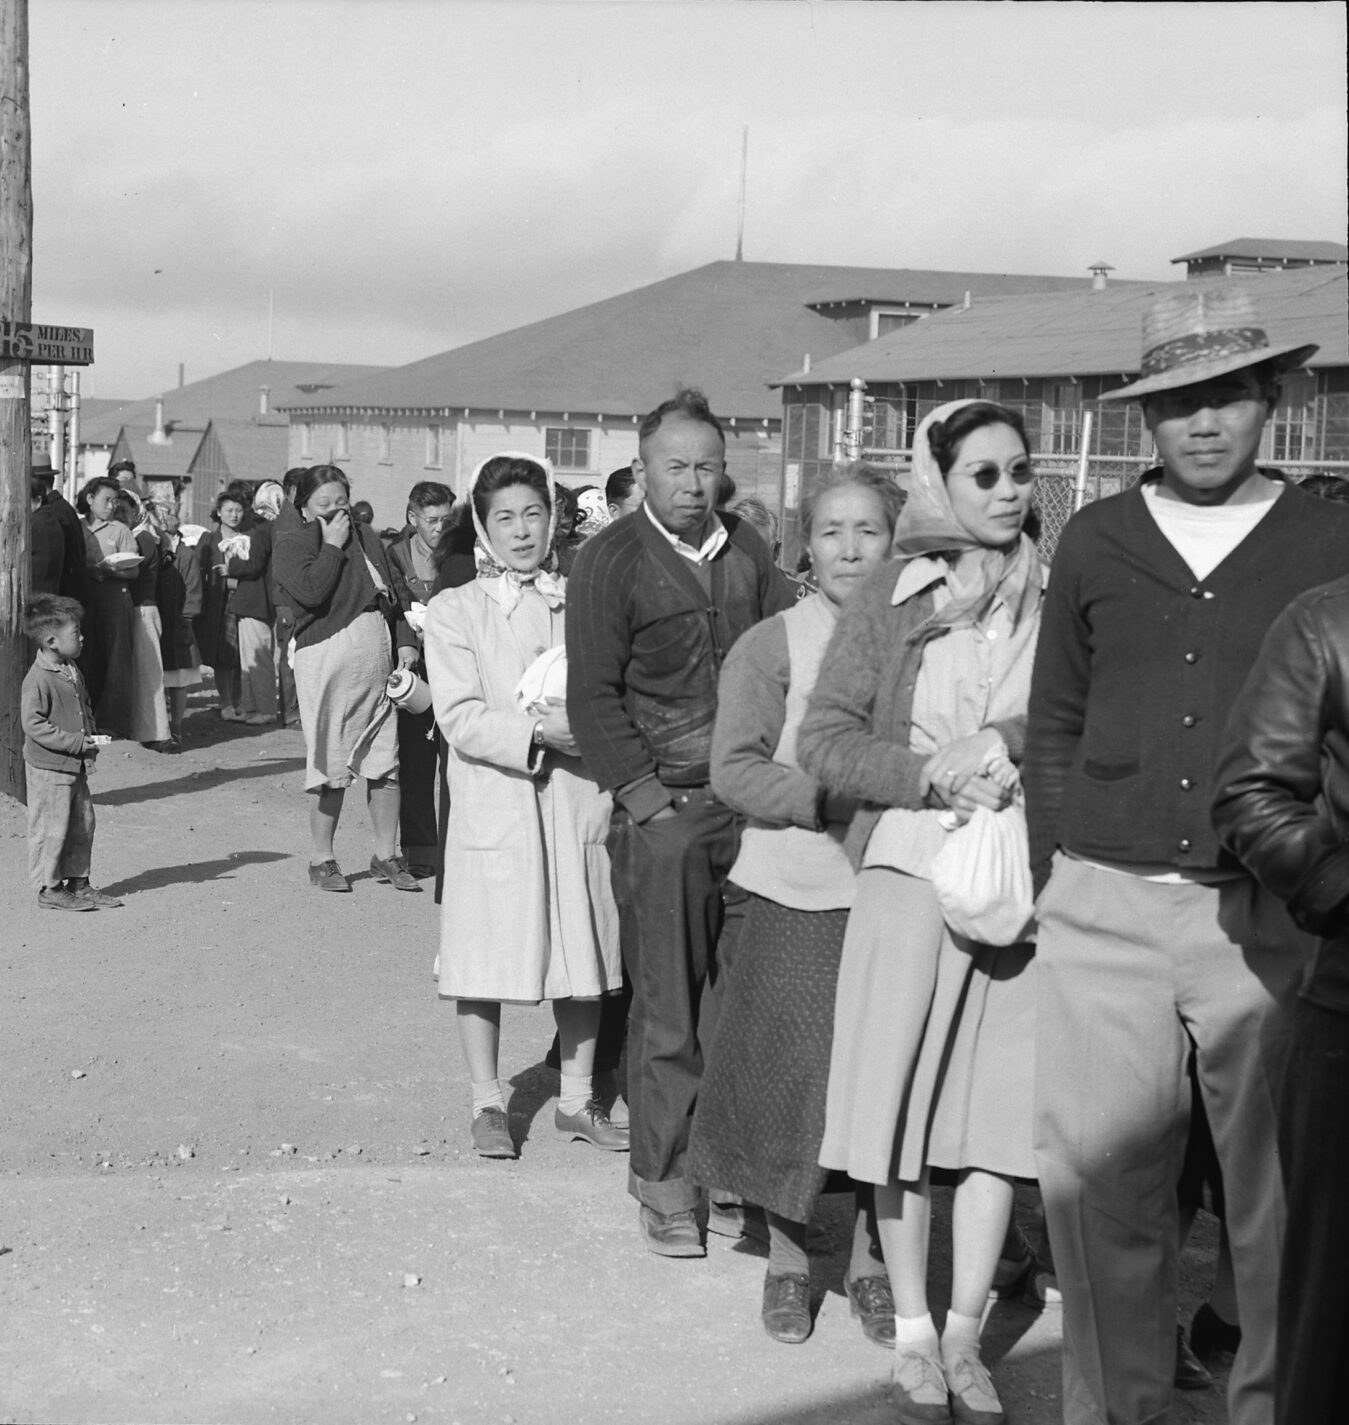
x: 653, y: 604
x: 1154, y: 943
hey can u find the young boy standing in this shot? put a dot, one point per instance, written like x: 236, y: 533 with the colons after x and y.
x: 58, y: 737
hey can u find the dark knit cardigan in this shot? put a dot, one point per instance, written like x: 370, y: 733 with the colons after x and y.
x: 1137, y: 665
x: 330, y: 588
x: 856, y: 732
x: 646, y: 633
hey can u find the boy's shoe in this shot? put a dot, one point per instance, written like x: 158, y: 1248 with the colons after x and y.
x: 58, y: 898
x: 99, y: 900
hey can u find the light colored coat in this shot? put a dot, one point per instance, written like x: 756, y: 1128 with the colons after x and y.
x: 528, y: 911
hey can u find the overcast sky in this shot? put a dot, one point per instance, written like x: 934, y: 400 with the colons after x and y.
x: 406, y: 176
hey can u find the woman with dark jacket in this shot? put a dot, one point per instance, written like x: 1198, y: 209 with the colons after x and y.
x: 178, y: 594
x: 333, y: 571
x: 250, y: 566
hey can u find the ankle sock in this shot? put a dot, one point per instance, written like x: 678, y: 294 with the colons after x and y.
x: 491, y: 1093
x: 577, y: 1091
x: 916, y: 1332
x: 786, y: 1247
x: 960, y: 1335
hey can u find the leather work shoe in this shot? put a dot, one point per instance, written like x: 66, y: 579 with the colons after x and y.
x: 918, y: 1388
x: 492, y: 1135
x: 395, y: 872
x: 973, y: 1399
x: 327, y: 876
x: 786, y: 1307
x: 58, y: 898
x: 1191, y: 1373
x: 670, y: 1234
x: 1212, y: 1338
x: 874, y: 1302
x: 593, y: 1125
x: 100, y: 900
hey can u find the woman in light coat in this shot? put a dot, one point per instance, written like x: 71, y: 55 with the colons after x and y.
x: 528, y: 913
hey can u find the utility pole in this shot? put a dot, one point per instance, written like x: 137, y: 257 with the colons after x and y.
x: 16, y: 300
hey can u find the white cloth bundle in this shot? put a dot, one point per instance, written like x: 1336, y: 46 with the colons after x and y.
x: 543, y: 685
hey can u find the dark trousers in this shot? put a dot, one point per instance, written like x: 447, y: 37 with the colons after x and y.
x: 288, y: 701
x: 669, y: 880
x: 1313, y: 1353
x: 417, y: 754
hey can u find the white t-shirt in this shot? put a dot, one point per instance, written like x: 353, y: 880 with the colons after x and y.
x: 1204, y: 535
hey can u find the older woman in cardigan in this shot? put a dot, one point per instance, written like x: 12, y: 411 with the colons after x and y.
x: 921, y: 696
x: 760, y: 1115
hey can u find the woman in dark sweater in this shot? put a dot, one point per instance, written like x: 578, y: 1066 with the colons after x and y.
x: 334, y: 573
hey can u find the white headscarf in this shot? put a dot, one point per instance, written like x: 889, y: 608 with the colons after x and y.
x: 513, y: 584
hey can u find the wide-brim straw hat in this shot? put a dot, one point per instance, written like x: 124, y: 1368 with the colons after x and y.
x: 1202, y: 332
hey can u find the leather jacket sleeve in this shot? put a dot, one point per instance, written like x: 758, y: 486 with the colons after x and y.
x: 1279, y: 776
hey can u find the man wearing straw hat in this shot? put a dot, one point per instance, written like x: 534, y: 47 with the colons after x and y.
x: 1153, y: 942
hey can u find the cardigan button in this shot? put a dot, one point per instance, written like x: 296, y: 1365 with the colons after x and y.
x: 1192, y: 657
x: 1196, y: 592
x: 1188, y: 720
x: 1184, y: 844
x: 1186, y: 785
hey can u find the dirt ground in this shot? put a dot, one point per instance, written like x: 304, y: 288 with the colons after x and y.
x: 234, y: 1181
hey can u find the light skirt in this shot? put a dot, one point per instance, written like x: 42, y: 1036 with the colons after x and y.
x: 149, y: 713
x: 340, y: 686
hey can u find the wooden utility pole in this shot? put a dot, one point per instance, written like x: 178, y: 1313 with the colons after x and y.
x: 16, y: 300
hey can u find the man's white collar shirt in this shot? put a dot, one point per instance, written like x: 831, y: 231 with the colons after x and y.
x: 716, y: 537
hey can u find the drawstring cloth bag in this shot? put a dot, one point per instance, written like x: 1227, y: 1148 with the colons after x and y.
x: 982, y: 877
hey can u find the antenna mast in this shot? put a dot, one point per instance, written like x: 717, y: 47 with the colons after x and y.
x: 744, y: 168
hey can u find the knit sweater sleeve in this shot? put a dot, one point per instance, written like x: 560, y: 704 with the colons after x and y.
x: 1058, y: 698
x: 307, y: 569
x: 599, y: 649
x: 38, y: 706
x: 751, y: 709
x: 838, y: 741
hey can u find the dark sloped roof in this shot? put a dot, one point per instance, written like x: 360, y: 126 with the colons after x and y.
x: 1273, y: 250
x: 159, y: 461
x: 1089, y: 333
x: 228, y: 395
x: 252, y: 451
x: 728, y: 328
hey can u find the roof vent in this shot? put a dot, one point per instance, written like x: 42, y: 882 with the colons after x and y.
x: 1098, y: 272
x: 966, y: 303
x: 264, y: 402
x: 159, y: 436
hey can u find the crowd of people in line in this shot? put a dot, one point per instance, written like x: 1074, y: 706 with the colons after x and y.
x: 709, y: 813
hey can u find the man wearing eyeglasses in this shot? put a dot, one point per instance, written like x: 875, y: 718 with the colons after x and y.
x: 1154, y: 943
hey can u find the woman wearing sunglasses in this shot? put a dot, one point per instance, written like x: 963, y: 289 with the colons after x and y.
x: 919, y: 712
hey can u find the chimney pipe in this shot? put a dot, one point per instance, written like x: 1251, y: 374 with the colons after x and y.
x: 805, y: 365
x: 1098, y: 272
x: 967, y: 301
x: 263, y: 393
x: 182, y: 375
x: 159, y: 436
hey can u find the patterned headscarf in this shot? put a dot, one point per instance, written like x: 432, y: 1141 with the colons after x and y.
x: 928, y: 525
x: 512, y: 588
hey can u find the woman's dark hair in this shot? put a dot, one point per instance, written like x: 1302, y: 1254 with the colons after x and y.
x: 315, y: 478
x: 1327, y: 487
x: 619, y: 485
x: 91, y: 488
x: 231, y: 495
x: 945, y: 438
x: 291, y: 479
x: 566, y: 503
x: 364, y: 511
x: 502, y: 471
